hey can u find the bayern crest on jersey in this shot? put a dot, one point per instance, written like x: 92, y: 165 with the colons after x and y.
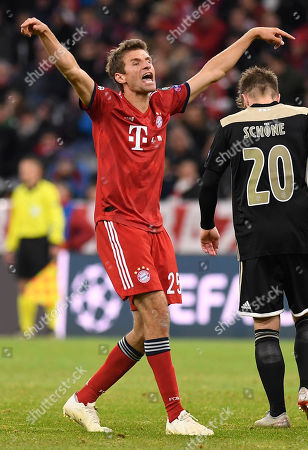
x: 143, y: 274
x: 159, y: 121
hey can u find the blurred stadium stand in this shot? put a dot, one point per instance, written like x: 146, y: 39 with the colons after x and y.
x: 41, y: 115
x: 39, y: 111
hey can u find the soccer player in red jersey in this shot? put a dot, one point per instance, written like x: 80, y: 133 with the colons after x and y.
x: 129, y: 132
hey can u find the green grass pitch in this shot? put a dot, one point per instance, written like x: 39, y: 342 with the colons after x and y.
x: 218, y: 383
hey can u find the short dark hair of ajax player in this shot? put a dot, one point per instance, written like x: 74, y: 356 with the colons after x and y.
x: 115, y: 61
x: 257, y: 80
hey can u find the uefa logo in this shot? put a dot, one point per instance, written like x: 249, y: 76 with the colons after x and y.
x: 144, y: 276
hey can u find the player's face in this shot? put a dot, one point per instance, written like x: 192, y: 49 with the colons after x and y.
x: 139, y: 72
x: 30, y: 173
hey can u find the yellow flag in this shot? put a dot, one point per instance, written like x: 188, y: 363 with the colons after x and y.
x: 42, y: 289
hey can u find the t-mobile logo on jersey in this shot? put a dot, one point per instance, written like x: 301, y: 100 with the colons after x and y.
x: 137, y: 138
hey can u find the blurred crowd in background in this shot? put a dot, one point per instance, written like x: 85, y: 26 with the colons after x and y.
x: 39, y: 112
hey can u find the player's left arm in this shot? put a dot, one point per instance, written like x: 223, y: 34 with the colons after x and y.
x: 209, y: 235
x: 215, y: 166
x: 217, y: 67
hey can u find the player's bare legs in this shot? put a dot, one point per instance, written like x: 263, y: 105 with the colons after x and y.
x: 154, y: 311
x: 271, y: 369
x: 301, y: 356
x: 135, y: 338
x: 272, y: 323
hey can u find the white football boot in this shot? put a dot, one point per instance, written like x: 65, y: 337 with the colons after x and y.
x: 281, y: 421
x: 303, y: 400
x: 186, y: 424
x: 84, y: 415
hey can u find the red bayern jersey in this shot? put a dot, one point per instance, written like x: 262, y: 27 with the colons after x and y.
x: 130, y: 149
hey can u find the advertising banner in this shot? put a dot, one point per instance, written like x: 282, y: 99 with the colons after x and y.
x: 210, y: 289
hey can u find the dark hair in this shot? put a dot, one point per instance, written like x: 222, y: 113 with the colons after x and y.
x: 256, y: 78
x: 115, y: 63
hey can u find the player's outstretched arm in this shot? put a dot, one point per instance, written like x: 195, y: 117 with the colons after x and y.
x: 63, y: 59
x: 217, y: 67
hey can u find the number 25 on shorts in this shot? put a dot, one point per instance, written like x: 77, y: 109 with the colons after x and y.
x: 174, y: 280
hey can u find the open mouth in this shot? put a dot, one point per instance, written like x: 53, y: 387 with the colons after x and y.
x: 147, y: 77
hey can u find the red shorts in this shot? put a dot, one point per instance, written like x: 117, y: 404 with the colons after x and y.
x: 138, y: 261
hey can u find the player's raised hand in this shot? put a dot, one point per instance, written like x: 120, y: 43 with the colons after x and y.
x: 272, y: 35
x: 210, y: 241
x: 33, y: 26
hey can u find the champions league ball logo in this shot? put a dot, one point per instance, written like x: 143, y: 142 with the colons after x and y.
x: 97, y: 307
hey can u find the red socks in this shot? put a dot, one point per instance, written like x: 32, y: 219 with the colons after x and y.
x: 159, y: 358
x: 121, y: 358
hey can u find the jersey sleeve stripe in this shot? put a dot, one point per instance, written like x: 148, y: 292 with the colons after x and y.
x: 84, y: 107
x: 187, y: 97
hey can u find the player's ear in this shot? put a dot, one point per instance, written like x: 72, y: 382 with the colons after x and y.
x: 245, y: 100
x: 120, y: 78
x: 278, y: 97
